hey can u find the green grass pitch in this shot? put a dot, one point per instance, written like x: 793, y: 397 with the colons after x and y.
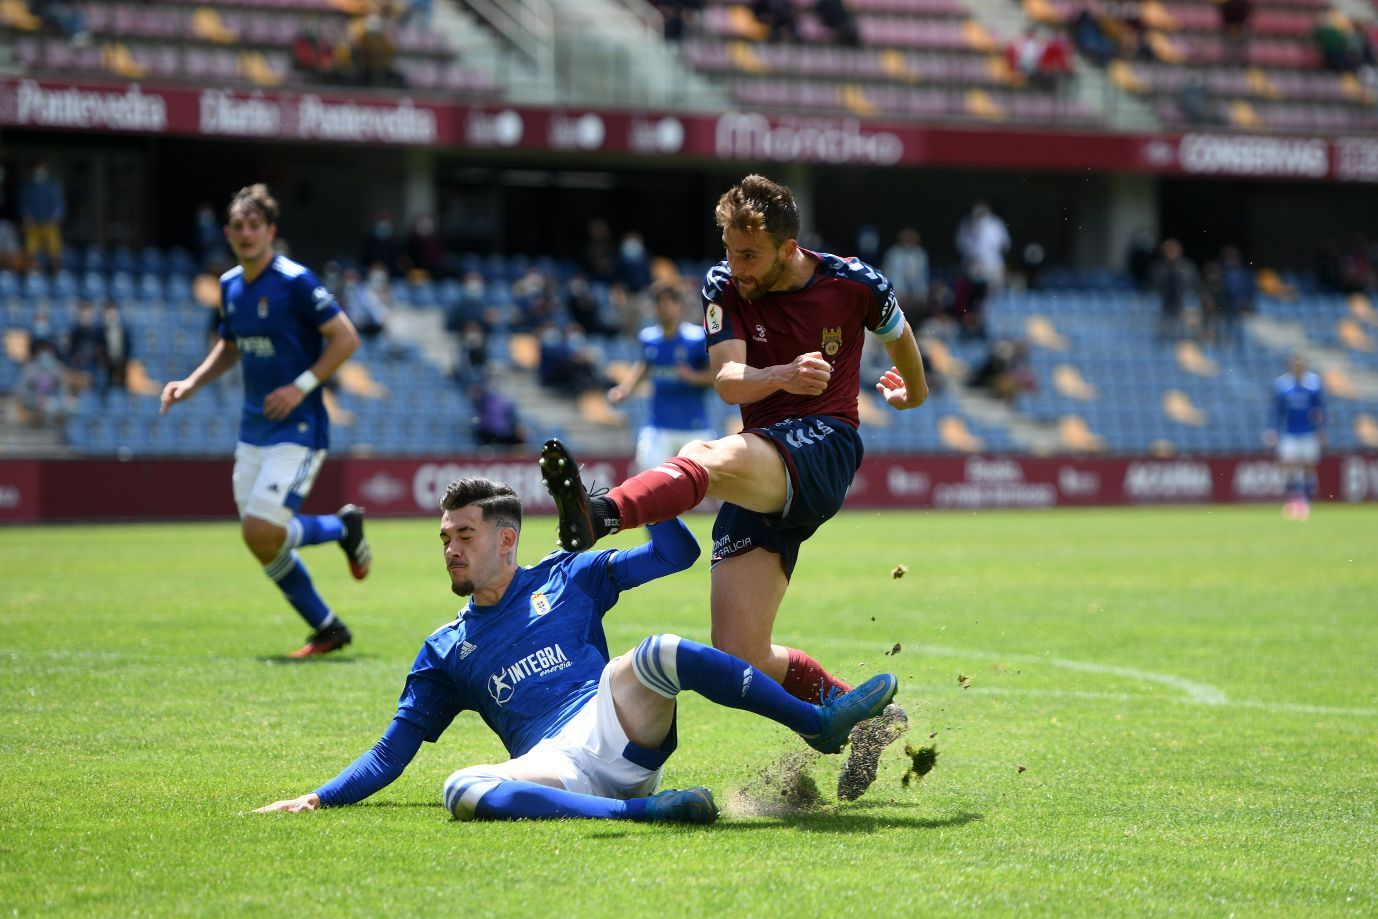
x: 1136, y: 712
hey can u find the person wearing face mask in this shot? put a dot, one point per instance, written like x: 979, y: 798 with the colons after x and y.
x: 633, y: 263
x: 381, y: 245
x: 43, y: 387
x: 285, y: 328
x: 42, y: 208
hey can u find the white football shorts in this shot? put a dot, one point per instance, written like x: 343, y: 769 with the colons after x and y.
x: 1299, y: 449
x: 271, y: 482
x: 586, y: 754
x: 655, y: 445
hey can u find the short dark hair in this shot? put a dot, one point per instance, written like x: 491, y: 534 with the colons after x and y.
x: 257, y: 197
x: 497, y: 501
x: 756, y: 203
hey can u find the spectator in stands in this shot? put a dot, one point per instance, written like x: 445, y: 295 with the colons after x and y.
x: 115, y: 355
x: 496, y: 422
x: 982, y: 241
x: 1032, y: 259
x: 371, y: 51
x: 473, y: 351
x: 381, y: 247
x: 838, y: 19
x: 84, y: 343
x: 1091, y: 38
x: 1343, y: 48
x: 1236, y: 295
x: 472, y: 305
x: 208, y: 239
x: 424, y: 251
x: 313, y: 57
x: 366, y: 302
x: 779, y: 18
x: 41, y: 330
x: 65, y: 17
x: 42, y: 208
x: 1005, y: 372
x: 534, y: 296
x: 681, y: 16
x: 600, y: 253
x: 1175, y: 279
x: 1025, y: 52
x: 1055, y: 65
x: 633, y: 263
x: 906, y: 266
x: 1195, y: 101
x: 44, y: 388
x: 1143, y: 252
x: 584, y: 308
x: 567, y: 364
x: 1234, y: 22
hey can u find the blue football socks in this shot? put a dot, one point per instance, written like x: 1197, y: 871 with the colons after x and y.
x: 294, y: 581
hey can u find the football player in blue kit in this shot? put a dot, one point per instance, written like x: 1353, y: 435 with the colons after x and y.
x: 284, y: 326
x: 674, y: 356
x: 587, y: 736
x: 1296, y: 430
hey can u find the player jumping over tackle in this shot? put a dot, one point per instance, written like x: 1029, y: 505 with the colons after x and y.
x: 588, y: 737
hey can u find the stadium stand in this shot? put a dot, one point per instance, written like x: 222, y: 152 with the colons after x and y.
x: 261, y: 43
x: 914, y: 59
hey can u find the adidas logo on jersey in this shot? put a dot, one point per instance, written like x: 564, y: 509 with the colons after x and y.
x: 466, y: 649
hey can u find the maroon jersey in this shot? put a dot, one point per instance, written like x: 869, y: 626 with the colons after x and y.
x: 829, y: 314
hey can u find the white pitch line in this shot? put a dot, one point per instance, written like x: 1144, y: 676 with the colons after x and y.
x: 1203, y: 693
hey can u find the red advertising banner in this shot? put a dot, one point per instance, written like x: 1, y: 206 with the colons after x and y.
x: 19, y: 491
x: 65, y: 490
x: 341, y: 117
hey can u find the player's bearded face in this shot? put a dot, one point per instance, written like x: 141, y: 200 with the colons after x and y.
x: 754, y: 260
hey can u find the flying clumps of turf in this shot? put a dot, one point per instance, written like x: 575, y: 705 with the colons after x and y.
x: 921, y: 762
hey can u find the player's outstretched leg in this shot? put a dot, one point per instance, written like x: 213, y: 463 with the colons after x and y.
x: 850, y: 709
x: 485, y: 793
x: 332, y: 637
x: 355, y: 546
x: 560, y: 473
x: 869, y: 740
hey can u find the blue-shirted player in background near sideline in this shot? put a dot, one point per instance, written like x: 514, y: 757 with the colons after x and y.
x: 1297, y: 429
x: 286, y: 328
x: 588, y: 737
x: 674, y: 354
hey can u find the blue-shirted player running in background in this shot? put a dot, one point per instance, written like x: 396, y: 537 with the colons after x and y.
x: 1296, y: 430
x: 285, y: 327
x: 587, y: 736
x: 674, y: 355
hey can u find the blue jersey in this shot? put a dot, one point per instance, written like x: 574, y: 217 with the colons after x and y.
x: 675, y: 403
x: 274, y: 321
x: 528, y: 664
x: 1298, y: 404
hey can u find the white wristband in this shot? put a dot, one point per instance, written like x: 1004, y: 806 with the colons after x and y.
x: 306, y: 382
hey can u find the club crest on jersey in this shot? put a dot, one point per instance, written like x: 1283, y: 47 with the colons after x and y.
x: 262, y: 307
x: 714, y: 319
x: 832, y: 341
x: 540, y: 604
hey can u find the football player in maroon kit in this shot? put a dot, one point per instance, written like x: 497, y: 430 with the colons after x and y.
x: 785, y: 329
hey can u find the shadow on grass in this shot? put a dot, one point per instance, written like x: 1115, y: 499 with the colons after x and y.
x: 274, y: 659
x: 851, y: 820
